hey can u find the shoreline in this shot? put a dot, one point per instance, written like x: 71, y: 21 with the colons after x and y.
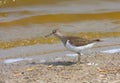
x: 98, y: 64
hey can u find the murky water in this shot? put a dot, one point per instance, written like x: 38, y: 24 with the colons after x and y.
x: 28, y: 19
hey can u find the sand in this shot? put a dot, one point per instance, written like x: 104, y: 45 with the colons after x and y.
x: 40, y: 64
x: 52, y: 63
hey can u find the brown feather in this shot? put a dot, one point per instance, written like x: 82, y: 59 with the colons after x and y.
x: 77, y: 41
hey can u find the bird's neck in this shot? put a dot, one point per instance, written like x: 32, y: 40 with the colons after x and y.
x: 61, y: 37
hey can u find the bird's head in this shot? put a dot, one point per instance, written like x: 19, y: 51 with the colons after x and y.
x: 55, y: 32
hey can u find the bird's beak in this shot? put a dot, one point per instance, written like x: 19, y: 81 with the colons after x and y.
x: 49, y: 35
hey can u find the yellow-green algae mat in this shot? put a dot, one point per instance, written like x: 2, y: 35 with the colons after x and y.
x: 52, y: 40
x: 60, y: 18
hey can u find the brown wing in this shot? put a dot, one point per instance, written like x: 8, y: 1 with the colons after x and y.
x: 77, y: 41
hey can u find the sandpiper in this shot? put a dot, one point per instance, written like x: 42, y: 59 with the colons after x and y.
x: 75, y: 44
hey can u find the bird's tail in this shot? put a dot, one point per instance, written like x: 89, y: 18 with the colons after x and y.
x: 97, y: 40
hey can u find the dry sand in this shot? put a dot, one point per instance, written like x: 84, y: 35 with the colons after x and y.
x: 57, y: 65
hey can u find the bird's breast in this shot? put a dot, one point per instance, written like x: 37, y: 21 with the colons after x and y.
x: 77, y: 48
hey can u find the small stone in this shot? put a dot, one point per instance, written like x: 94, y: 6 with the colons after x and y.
x: 102, y: 76
x: 22, y: 72
x: 29, y: 69
x: 50, y: 66
x: 26, y: 77
x: 60, y: 66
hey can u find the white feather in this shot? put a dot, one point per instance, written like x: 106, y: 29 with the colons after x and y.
x: 77, y: 48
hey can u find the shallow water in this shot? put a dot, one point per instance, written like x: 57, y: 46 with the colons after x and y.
x: 16, y: 60
x: 45, y: 11
x: 28, y: 19
x: 115, y: 50
x: 19, y: 12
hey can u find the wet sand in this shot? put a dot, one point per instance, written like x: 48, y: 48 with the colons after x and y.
x: 40, y: 64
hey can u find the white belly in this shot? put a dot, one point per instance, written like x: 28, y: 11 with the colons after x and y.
x: 77, y: 48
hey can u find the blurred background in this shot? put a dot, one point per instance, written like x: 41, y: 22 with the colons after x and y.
x: 25, y: 22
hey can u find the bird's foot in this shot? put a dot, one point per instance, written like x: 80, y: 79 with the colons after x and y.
x: 79, y: 62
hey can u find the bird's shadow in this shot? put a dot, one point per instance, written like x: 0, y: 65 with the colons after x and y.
x: 62, y: 63
x: 65, y: 63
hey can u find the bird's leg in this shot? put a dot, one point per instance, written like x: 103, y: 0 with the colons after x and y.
x: 79, y: 58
